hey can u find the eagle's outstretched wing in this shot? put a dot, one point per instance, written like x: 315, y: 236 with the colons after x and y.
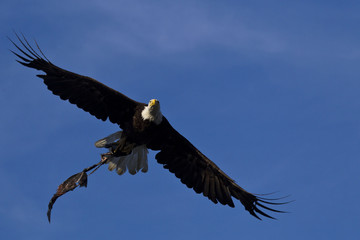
x: 86, y: 93
x: 198, y: 172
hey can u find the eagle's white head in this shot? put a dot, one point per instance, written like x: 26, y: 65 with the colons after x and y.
x: 152, y: 112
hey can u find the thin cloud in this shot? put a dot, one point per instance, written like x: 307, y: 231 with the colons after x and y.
x: 142, y: 29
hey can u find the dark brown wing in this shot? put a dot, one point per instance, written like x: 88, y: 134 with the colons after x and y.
x: 199, y: 173
x: 86, y: 93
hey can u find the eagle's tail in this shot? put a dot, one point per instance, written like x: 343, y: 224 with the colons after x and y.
x: 134, y: 162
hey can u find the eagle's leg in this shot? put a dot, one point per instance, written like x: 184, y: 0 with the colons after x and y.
x: 105, y: 157
x: 123, y: 147
x: 119, y: 146
x: 129, y: 147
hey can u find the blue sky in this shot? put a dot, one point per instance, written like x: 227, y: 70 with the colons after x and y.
x: 269, y: 90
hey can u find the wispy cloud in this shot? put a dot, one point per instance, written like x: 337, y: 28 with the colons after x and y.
x: 143, y: 28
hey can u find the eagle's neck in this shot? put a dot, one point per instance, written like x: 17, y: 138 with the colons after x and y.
x: 153, y: 114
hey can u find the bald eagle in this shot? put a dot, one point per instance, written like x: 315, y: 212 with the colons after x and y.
x: 143, y: 127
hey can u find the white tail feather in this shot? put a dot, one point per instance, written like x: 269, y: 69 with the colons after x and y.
x: 143, y: 161
x: 121, y: 166
x: 112, y: 164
